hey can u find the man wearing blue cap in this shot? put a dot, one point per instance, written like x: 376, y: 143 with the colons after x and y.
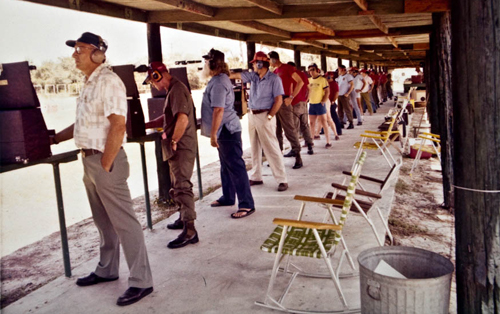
x: 99, y: 131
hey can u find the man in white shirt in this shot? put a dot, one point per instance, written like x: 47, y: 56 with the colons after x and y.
x: 355, y: 95
x: 346, y: 86
x: 366, y: 90
x: 99, y: 131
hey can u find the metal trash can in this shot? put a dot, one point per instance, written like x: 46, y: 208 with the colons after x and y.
x: 426, y: 288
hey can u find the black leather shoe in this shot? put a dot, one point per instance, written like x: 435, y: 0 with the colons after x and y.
x: 133, y: 295
x: 92, y: 279
x: 290, y: 154
x: 351, y: 126
x: 182, y: 240
x: 178, y: 224
x: 298, y: 164
x: 310, y: 149
x: 252, y: 182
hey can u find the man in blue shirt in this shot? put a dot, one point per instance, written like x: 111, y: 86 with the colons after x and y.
x: 266, y: 97
x: 220, y: 122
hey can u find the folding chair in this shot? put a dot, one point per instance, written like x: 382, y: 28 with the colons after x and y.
x: 380, y: 140
x: 362, y: 207
x: 435, y: 148
x: 310, y: 239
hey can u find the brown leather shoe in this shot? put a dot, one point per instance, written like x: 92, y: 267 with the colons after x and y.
x: 252, y: 182
x: 133, y: 295
x: 282, y: 187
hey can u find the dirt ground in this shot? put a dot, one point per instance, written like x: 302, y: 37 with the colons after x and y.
x: 416, y: 220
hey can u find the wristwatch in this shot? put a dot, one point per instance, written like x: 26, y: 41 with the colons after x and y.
x: 174, y: 142
x: 269, y: 117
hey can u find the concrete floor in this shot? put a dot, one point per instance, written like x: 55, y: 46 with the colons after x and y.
x: 226, y: 272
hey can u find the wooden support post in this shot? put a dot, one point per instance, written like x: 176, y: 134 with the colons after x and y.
x: 339, y: 61
x: 323, y: 63
x: 441, y: 74
x: 350, y: 63
x: 154, y: 43
x: 250, y: 53
x: 162, y: 167
x: 476, y: 120
x: 296, y: 58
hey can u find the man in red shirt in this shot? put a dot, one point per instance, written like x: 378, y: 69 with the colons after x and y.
x: 300, y: 113
x: 334, y: 94
x: 285, y: 120
x: 374, y: 76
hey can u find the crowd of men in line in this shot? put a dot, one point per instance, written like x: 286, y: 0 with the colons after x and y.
x: 278, y: 103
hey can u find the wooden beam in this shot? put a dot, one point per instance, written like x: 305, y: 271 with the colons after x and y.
x: 265, y: 28
x: 102, y: 8
x: 362, y: 4
x: 421, y: 46
x: 386, y: 47
x: 347, y: 10
x: 427, y: 6
x: 206, y: 30
x: 192, y: 7
x: 392, y: 41
x: 378, y: 23
x: 400, y: 31
x: 349, y: 43
x: 268, y: 5
x: 316, y: 27
x: 304, y: 36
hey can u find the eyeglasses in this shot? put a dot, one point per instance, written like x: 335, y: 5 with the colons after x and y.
x: 78, y: 49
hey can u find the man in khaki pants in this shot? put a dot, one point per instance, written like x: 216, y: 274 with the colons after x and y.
x: 266, y: 93
x: 99, y: 131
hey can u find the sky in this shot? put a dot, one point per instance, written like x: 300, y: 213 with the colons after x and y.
x: 37, y: 33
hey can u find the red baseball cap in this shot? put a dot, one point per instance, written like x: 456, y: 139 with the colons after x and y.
x: 362, y: 71
x: 260, y: 56
x: 154, y: 67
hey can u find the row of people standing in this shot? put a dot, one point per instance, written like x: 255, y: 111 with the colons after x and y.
x: 99, y: 131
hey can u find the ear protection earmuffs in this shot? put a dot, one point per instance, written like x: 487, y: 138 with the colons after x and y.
x: 99, y: 54
x: 156, y: 75
x: 212, y: 64
x: 260, y: 64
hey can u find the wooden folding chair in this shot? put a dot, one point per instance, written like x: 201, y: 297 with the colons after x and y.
x: 380, y: 140
x: 435, y: 148
x: 362, y: 206
x: 310, y: 239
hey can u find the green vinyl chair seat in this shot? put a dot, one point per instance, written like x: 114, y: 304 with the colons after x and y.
x: 299, y: 242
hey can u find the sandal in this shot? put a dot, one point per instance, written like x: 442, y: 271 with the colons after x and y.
x: 248, y: 213
x: 219, y: 204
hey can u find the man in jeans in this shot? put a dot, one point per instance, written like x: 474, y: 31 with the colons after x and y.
x: 346, y: 85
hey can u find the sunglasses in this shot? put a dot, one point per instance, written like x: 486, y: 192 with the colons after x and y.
x: 78, y: 49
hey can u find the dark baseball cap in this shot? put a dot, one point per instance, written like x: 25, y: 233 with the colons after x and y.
x: 89, y: 38
x: 215, y: 55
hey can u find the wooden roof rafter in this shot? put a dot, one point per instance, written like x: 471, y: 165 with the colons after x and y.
x: 190, y: 6
x: 268, y: 5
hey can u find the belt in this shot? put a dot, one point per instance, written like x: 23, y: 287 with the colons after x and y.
x: 259, y: 111
x: 89, y: 152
